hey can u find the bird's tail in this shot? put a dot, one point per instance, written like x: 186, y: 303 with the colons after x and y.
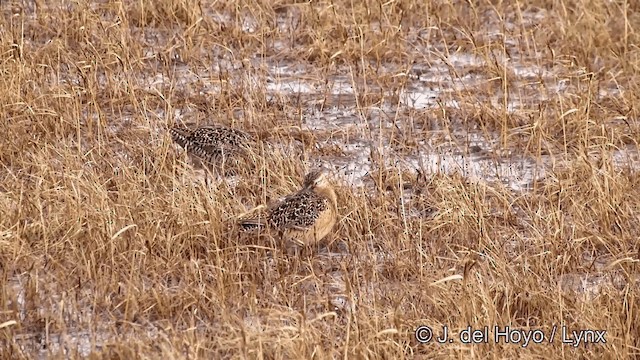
x: 180, y: 136
x: 253, y: 219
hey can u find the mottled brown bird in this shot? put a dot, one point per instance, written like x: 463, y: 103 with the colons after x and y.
x: 218, y: 146
x: 304, y: 217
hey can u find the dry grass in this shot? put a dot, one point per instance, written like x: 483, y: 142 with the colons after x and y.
x: 110, y: 243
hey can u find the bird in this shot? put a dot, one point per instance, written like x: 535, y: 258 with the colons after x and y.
x: 304, y: 217
x: 217, y: 146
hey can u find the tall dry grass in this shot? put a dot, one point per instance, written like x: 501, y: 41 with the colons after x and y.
x: 108, y: 239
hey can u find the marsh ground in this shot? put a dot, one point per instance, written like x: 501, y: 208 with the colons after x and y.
x: 485, y: 155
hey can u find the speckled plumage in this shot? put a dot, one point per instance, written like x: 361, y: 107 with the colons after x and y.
x: 213, y: 144
x: 300, y: 210
x: 304, y: 217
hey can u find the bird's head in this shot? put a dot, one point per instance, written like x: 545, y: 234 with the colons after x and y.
x: 316, y: 179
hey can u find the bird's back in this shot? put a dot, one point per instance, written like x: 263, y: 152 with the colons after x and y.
x: 304, y: 217
x: 214, y: 144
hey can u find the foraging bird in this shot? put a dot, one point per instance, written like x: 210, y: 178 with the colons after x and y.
x: 216, y: 145
x: 304, y: 217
